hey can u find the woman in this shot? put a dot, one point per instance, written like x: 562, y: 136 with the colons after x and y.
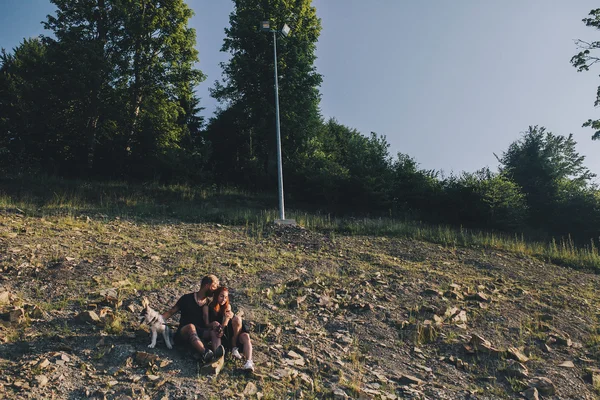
x: 219, y: 315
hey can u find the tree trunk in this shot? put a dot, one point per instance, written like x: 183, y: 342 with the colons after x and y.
x: 136, y: 96
x: 92, y: 126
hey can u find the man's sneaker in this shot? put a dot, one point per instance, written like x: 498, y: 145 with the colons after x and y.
x: 219, y: 352
x: 208, y: 356
x: 236, y: 353
x: 249, y: 365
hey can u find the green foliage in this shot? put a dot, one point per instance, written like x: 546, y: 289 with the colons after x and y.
x: 551, y: 174
x: 109, y: 93
x: 486, y: 200
x: 585, y: 59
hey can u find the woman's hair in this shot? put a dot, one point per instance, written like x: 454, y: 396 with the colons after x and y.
x: 220, y: 310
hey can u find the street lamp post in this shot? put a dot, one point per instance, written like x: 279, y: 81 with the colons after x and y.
x: 266, y: 27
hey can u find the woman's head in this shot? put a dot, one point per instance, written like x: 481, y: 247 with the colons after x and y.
x: 221, y: 299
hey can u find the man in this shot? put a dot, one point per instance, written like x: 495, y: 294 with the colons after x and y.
x: 192, y: 327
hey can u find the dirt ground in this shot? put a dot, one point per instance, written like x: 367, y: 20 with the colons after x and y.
x: 331, y: 316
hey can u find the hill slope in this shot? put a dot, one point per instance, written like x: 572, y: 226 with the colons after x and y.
x: 332, y: 316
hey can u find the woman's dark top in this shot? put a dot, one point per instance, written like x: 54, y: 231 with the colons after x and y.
x: 228, y: 330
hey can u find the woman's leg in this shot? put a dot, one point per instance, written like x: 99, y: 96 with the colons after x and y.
x: 215, y: 339
x: 236, y: 323
x: 247, y: 344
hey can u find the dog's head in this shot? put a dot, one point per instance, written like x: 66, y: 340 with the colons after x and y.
x: 148, y: 316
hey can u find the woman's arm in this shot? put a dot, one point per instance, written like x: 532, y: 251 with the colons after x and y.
x: 228, y: 315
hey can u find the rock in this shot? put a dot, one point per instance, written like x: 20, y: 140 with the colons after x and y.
x: 43, y: 364
x: 297, y: 301
x: 146, y: 359
x: 531, y: 394
x: 453, y: 295
x: 567, y: 364
x: 479, y: 296
x: 461, y: 317
x: 432, y: 292
x: 89, y: 316
x: 339, y: 394
x: 408, y: 380
x: 450, y: 311
x: 16, y: 316
x: 6, y: 297
x: 561, y: 340
x: 213, y: 368
x: 153, y: 378
x: 516, y: 369
x: 250, y: 389
x: 516, y: 354
x: 41, y: 380
x: 483, y: 345
x: 544, y: 385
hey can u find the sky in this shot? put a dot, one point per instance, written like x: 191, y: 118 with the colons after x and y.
x: 449, y: 83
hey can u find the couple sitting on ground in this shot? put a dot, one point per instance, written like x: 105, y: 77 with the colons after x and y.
x: 203, y: 319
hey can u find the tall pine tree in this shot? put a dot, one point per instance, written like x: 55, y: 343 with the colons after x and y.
x: 243, y: 133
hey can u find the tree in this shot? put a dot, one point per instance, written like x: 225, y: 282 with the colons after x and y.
x: 129, y: 69
x: 545, y: 165
x: 248, y: 82
x: 585, y: 59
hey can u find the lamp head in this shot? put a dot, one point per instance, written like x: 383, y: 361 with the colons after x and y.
x: 265, y: 26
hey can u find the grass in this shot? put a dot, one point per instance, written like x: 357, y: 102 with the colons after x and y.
x: 73, y: 200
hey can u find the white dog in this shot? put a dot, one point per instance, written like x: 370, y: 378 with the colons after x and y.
x: 157, y: 324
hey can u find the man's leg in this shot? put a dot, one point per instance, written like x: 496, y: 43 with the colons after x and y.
x: 189, y: 334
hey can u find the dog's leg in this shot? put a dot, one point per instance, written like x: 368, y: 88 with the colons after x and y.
x: 154, y: 335
x: 167, y: 336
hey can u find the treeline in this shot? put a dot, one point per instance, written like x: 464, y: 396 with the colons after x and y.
x: 109, y: 94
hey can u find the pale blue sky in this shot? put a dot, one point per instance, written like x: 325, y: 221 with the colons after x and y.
x: 448, y: 82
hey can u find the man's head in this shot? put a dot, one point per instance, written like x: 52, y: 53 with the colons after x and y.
x: 209, y: 283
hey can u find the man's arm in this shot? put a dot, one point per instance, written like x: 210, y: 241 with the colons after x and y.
x: 170, y: 313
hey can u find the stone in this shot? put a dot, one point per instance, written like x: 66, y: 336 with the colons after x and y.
x: 483, y: 345
x: 516, y: 369
x: 432, y: 292
x: 16, y: 316
x: 561, y: 340
x: 297, y: 301
x: 6, y: 297
x: 461, y: 317
x: 453, y: 295
x: 409, y: 380
x: 567, y: 364
x: 250, y: 389
x: 146, y: 359
x: 339, y: 394
x: 89, y: 316
x: 213, y: 368
x: 531, y: 394
x: 41, y: 380
x: 544, y: 385
x: 152, y: 377
x: 43, y: 364
x: 516, y: 354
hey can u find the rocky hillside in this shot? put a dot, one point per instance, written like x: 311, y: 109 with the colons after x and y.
x: 331, y: 316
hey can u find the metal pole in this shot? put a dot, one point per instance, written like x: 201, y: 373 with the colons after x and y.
x: 279, y: 167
